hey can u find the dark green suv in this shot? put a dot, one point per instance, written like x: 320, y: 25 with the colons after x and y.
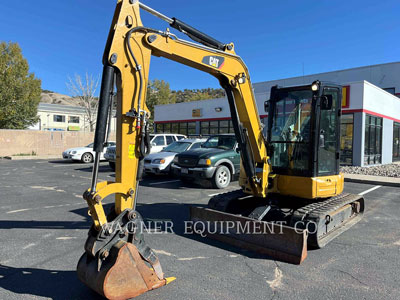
x: 217, y: 160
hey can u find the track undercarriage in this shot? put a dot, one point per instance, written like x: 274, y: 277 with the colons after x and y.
x: 278, y: 226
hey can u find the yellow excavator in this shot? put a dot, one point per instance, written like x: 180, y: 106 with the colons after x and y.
x: 291, y: 190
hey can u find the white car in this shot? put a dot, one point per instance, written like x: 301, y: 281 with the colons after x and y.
x: 85, y: 154
x: 160, y: 162
x: 158, y: 142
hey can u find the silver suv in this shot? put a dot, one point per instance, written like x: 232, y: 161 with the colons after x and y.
x: 158, y: 142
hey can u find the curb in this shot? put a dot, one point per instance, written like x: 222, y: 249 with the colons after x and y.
x: 372, y: 181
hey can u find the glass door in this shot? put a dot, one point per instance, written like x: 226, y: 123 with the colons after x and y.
x: 396, y: 141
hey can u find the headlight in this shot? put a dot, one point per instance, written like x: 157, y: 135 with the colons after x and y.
x: 73, y: 152
x: 159, y: 161
x: 315, y: 86
x: 205, y: 162
x: 175, y: 160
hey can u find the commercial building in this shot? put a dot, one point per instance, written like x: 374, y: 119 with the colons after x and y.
x: 370, y: 128
x: 64, y: 117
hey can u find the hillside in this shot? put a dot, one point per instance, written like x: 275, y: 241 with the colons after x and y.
x: 56, y: 98
x: 185, y: 95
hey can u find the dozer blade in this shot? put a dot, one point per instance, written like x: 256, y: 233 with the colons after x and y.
x: 278, y: 241
x: 123, y: 274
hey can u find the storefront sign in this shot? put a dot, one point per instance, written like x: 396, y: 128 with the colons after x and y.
x: 196, y: 112
x: 346, y: 96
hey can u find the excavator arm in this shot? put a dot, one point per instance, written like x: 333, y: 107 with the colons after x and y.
x: 129, y: 49
x: 115, y: 250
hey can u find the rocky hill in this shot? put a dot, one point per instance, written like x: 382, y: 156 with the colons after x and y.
x: 56, y: 98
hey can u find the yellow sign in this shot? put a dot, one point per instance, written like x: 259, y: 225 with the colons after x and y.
x: 196, y: 112
x: 131, y: 151
x: 73, y: 128
x: 346, y: 96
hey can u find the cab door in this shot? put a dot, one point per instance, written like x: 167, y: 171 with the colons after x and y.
x: 329, y: 132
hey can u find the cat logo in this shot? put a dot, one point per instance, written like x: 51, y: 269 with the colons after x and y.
x: 214, y: 61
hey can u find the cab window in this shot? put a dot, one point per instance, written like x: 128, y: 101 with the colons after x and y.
x: 290, y: 131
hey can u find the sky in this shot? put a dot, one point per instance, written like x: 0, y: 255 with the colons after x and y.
x: 276, y: 39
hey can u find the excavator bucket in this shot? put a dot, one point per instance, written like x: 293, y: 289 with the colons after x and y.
x: 123, y: 274
x: 276, y: 240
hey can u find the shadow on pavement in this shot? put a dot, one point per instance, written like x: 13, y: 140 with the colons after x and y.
x: 174, y: 183
x: 4, y: 224
x: 45, y: 224
x: 54, y: 284
x: 102, y: 168
x: 63, y: 161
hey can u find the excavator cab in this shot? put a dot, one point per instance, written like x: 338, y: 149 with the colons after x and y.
x: 304, y: 137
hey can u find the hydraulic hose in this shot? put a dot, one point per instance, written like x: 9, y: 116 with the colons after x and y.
x: 137, y: 66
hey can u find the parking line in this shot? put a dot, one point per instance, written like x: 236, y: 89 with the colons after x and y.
x: 226, y: 190
x: 162, y: 182
x: 211, y: 195
x: 370, y: 190
x: 18, y: 210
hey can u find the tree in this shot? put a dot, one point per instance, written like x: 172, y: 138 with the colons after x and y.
x: 83, y: 91
x: 19, y: 89
x: 188, y: 95
x: 158, y: 92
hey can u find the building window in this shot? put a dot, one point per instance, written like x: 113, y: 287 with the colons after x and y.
x: 231, y: 130
x: 346, y: 139
x: 73, y: 119
x: 59, y: 118
x: 391, y: 90
x: 205, y: 128
x: 224, y: 126
x: 373, y: 140
x: 191, y: 128
x: 185, y: 128
x: 396, y: 141
x: 159, y: 128
x: 166, y: 128
x: 216, y: 127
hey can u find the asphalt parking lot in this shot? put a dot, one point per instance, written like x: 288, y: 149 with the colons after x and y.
x: 43, y: 225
